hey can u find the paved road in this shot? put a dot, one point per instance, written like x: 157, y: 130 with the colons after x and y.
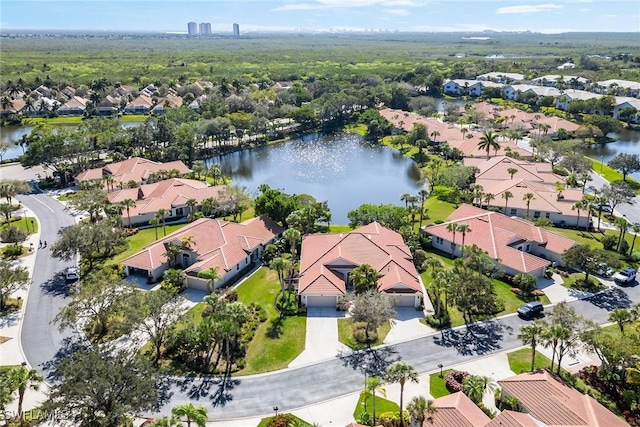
x: 48, y: 293
x: 631, y: 212
x: 295, y: 388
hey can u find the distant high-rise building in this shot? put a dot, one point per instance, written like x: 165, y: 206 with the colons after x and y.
x: 236, y: 29
x: 205, y: 28
x: 192, y: 28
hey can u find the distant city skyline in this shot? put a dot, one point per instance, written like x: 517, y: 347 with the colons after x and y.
x: 545, y: 16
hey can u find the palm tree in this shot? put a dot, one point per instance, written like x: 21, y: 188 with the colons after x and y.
x: 512, y: 171
x: 162, y: 215
x: 401, y: 372
x: 552, y: 336
x: 473, y: 387
x: 506, y: 195
x: 531, y: 335
x: 21, y: 378
x: 528, y: 197
x: 196, y: 414
x: 155, y: 221
x: 292, y: 236
x: 488, y: 142
x: 364, y: 277
x: 280, y: 265
x: 464, y: 229
x: 423, y: 194
x: 192, y: 204
x: 435, y: 134
x: 419, y: 407
x: 622, y: 224
x: 128, y: 204
x: 579, y: 206
x: 453, y: 227
x: 372, y: 386
x: 211, y: 274
x: 620, y: 316
x: 165, y: 421
x: 489, y: 197
x: 405, y: 198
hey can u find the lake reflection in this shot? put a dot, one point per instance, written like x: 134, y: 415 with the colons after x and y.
x: 628, y: 141
x: 340, y: 168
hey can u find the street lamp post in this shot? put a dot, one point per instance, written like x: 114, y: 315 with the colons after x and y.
x: 440, y: 365
x: 26, y: 221
x: 275, y: 408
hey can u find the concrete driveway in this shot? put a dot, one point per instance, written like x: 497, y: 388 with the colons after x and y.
x: 406, y: 326
x: 321, y: 341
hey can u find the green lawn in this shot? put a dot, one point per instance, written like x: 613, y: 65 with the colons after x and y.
x: 437, y: 386
x: 141, y: 239
x: 340, y: 228
x: 278, y: 340
x: 595, y: 285
x: 382, y: 405
x: 78, y: 119
x: 345, y: 334
x: 30, y: 226
x: 520, y: 360
x: 359, y: 129
x: 613, y: 175
x: 438, y: 210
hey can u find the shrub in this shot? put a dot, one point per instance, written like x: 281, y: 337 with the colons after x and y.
x: 389, y: 419
x: 282, y: 420
x: 438, y: 221
x: 635, y: 257
x: 13, y: 234
x: 443, y: 322
x: 231, y: 296
x: 537, y: 293
x: 609, y: 242
x: 543, y: 222
x: 516, y: 291
x: 12, y: 251
x: 486, y: 410
x: 453, y: 380
x: 624, y: 247
x: 360, y: 333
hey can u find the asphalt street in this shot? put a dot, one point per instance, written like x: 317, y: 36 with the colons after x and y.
x: 42, y: 340
x: 631, y: 212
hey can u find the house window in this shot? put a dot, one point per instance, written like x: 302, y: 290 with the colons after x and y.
x: 439, y: 240
x: 237, y: 267
x: 528, y: 247
x: 520, y: 248
x: 536, y: 214
x: 180, y: 212
x: 514, y: 211
x: 185, y: 260
x: 547, y: 215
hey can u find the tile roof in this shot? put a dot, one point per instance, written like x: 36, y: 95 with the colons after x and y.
x: 512, y: 419
x: 135, y: 168
x: 322, y: 256
x: 555, y: 403
x: 497, y: 234
x: 216, y: 243
x: 457, y: 410
x: 496, y: 168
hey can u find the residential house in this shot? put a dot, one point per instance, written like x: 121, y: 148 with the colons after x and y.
x: 623, y: 103
x: 496, y: 168
x: 563, y: 100
x: 326, y: 260
x: 169, y: 101
x: 14, y: 107
x: 551, y: 402
x: 619, y: 87
x: 74, y: 107
x: 140, y: 105
x: 561, y: 81
x: 206, y: 243
x: 548, y: 202
x: 515, y: 92
x: 516, y: 245
x: 109, y: 106
x: 171, y: 195
x: 456, y: 410
x: 135, y: 169
x: 69, y: 92
x: 468, y: 87
x: 499, y: 77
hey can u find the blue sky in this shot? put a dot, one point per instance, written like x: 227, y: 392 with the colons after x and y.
x: 404, y: 15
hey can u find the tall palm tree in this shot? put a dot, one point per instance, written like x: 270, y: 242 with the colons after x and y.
x: 419, y: 407
x: 464, y: 229
x: 488, y: 142
x: 372, y: 386
x: 405, y: 198
x: 196, y: 414
x: 489, y: 197
x: 506, y: 195
x: 401, y: 372
x: 620, y: 316
x: 512, y: 171
x: 636, y: 231
x: 531, y: 335
x: 580, y: 206
x: 280, y: 265
x: 21, y: 378
x: 622, y: 224
x: 162, y: 215
x: 528, y: 197
x: 127, y: 204
x: 165, y: 421
x: 423, y: 194
x: 211, y: 274
x: 155, y: 221
x: 452, y: 227
x: 292, y: 236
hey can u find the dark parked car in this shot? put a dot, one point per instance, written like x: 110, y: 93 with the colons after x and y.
x: 531, y: 310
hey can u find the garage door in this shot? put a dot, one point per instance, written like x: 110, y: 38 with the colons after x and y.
x: 403, y: 300
x: 321, y: 301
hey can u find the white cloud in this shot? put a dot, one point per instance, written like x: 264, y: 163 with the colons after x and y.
x: 525, y: 8
x: 330, y: 4
x: 399, y: 12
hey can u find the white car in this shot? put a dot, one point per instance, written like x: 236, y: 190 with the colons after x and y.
x: 604, y: 270
x: 71, y: 275
x: 626, y: 276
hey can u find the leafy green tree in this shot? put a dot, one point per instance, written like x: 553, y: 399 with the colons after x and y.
x: 617, y: 193
x: 12, y: 279
x: 587, y: 259
x: 625, y: 163
x: 532, y: 335
x: 275, y: 204
x: 401, y: 372
x: 373, y: 309
x: 393, y: 217
x: 166, y: 421
x: 526, y: 282
x: 364, y: 278
x: 192, y: 413
x: 620, y: 316
x: 211, y: 274
x: 89, y: 240
x: 372, y: 386
x: 102, y: 389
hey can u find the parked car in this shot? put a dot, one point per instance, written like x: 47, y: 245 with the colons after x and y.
x: 71, y: 275
x: 604, y: 270
x: 606, y: 208
x: 625, y: 277
x: 531, y: 310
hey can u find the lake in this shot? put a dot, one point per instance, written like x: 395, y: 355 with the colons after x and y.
x: 628, y: 141
x: 340, y: 168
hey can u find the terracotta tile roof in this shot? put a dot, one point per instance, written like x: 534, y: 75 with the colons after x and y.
x: 496, y: 169
x: 512, y: 419
x: 215, y: 243
x: 457, y: 410
x: 135, y: 168
x: 555, y: 403
x: 322, y: 255
x: 497, y: 234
